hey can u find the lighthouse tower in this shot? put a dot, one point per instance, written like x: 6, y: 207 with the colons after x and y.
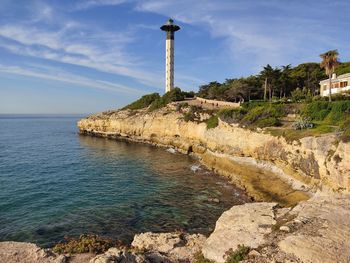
x: 170, y: 29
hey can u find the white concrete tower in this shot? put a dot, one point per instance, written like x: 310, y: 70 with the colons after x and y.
x: 170, y: 29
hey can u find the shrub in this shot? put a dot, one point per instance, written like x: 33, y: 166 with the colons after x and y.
x: 253, y: 104
x: 199, y: 258
x: 174, y: 95
x: 85, y: 244
x: 212, y: 122
x: 238, y: 255
x: 330, y: 112
x: 143, y: 102
x: 303, y: 123
x: 316, y: 110
x: 193, y: 113
x: 339, y: 111
x: 189, y: 94
x: 268, y: 122
x: 301, y: 95
x: 270, y: 112
x: 232, y: 115
x: 181, y: 105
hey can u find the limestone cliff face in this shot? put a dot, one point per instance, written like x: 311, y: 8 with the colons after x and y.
x: 313, y: 161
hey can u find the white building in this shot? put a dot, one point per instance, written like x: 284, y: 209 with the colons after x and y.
x: 340, y: 84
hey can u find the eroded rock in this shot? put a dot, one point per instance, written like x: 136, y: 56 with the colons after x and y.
x: 241, y: 225
x: 178, y: 246
x: 15, y: 252
x: 324, y: 230
x: 118, y: 255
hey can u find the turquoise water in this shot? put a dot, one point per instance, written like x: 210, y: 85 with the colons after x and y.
x: 55, y: 183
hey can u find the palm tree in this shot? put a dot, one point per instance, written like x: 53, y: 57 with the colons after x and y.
x: 285, y: 79
x: 329, y: 61
x: 267, y: 74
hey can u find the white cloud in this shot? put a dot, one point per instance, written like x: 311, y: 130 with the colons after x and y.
x: 93, y: 3
x: 77, y: 45
x: 255, y: 32
x: 55, y: 74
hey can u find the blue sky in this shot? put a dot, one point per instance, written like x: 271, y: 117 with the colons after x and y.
x: 64, y: 56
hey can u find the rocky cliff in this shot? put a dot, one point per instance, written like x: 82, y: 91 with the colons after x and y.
x: 265, y: 165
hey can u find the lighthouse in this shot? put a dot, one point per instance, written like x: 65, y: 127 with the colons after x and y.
x: 170, y: 28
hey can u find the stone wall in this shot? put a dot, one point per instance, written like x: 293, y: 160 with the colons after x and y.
x: 220, y: 103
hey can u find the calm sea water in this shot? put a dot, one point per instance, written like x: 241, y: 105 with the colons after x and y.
x: 54, y: 183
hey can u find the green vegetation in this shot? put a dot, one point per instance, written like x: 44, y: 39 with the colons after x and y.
x: 328, y: 63
x: 232, y: 115
x: 191, y: 114
x: 270, y: 84
x: 303, y: 123
x: 342, y: 68
x: 155, y: 101
x: 299, y: 83
x: 199, y: 258
x: 263, y: 116
x: 332, y: 113
x: 238, y: 255
x: 293, y: 134
x: 86, y: 244
x: 174, y: 95
x: 271, y: 99
x: 143, y: 102
x: 212, y: 122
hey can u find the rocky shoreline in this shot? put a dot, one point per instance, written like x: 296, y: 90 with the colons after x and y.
x: 315, y: 231
x: 302, y: 188
x: 306, y: 165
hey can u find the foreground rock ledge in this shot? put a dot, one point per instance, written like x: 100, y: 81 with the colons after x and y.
x: 241, y: 225
x: 314, y: 231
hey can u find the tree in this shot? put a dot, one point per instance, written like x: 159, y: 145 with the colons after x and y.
x: 285, y: 79
x: 306, y: 75
x: 236, y: 89
x: 329, y: 61
x: 271, y: 77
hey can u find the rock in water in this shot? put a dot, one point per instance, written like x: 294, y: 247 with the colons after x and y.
x: 241, y: 225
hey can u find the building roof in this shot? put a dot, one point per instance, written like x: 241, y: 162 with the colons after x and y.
x: 342, y: 76
x: 346, y: 75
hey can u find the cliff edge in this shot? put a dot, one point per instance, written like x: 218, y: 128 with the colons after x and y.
x: 255, y: 160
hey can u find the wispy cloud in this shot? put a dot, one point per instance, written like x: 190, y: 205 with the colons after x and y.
x: 94, y: 3
x: 56, y: 74
x: 78, y: 45
x: 257, y: 32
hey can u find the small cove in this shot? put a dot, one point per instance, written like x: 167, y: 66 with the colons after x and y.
x: 55, y: 183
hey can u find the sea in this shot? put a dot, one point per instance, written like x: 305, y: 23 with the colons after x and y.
x: 55, y: 183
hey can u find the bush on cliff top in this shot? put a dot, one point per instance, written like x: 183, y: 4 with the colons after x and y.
x: 155, y: 101
x: 263, y: 116
x: 212, y: 122
x: 329, y: 112
x: 143, y: 102
x: 174, y: 95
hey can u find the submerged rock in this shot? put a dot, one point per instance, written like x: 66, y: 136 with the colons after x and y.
x: 241, y: 225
